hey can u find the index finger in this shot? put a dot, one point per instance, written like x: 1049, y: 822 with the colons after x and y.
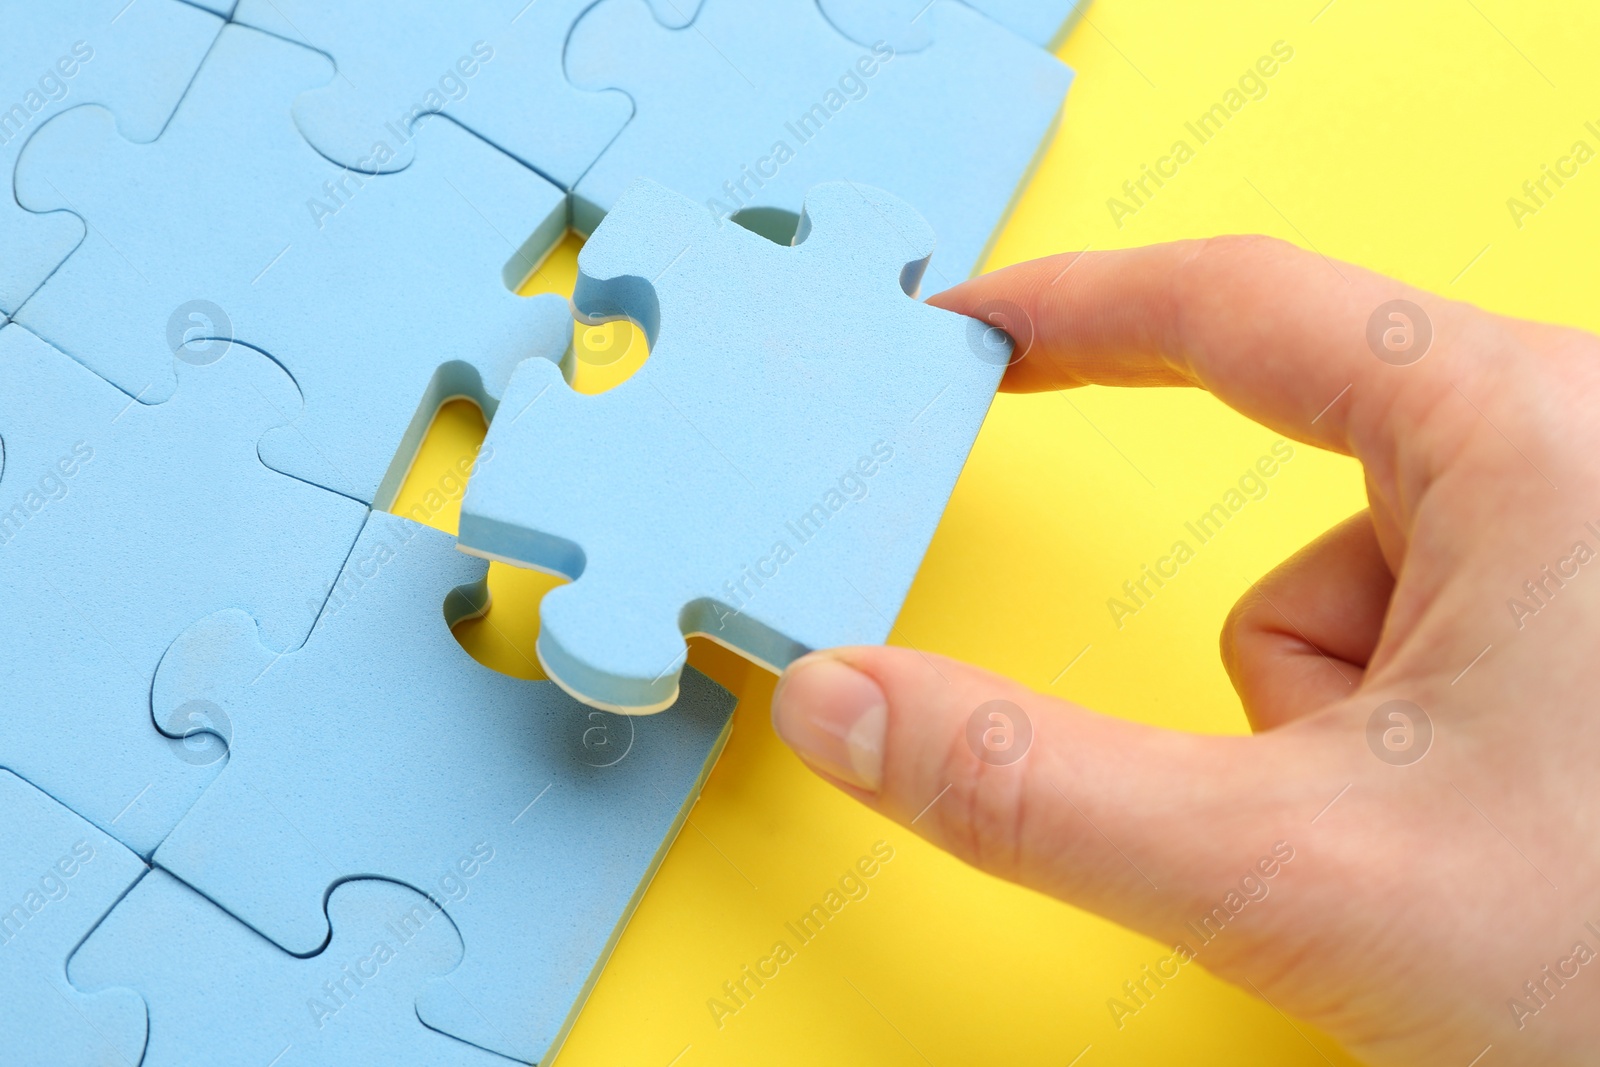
x: 1314, y: 349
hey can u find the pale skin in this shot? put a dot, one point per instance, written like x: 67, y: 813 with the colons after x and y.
x: 1419, y: 904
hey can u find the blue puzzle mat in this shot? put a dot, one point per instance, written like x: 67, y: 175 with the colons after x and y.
x: 122, y: 524
x: 136, y: 61
x: 342, y: 279
x: 257, y: 804
x: 495, y: 68
x: 222, y: 996
x: 381, y: 748
x: 58, y: 877
x: 744, y: 114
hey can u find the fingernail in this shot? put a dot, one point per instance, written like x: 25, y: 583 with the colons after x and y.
x: 834, y: 717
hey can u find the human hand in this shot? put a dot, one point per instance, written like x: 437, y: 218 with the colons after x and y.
x: 1432, y: 864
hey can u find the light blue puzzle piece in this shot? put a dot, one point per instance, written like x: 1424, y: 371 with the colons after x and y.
x: 58, y: 877
x: 381, y: 297
x: 773, y: 473
x: 745, y: 111
x: 382, y: 749
x: 494, y: 66
x: 222, y: 996
x: 219, y: 7
x: 902, y: 23
x: 121, y: 524
x: 136, y: 60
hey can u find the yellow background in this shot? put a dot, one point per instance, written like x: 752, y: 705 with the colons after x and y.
x: 1393, y: 139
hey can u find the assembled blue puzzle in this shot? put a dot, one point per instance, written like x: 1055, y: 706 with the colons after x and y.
x: 221, y: 995
x: 136, y: 60
x: 258, y: 806
x: 496, y: 68
x: 120, y: 524
x: 382, y: 749
x: 744, y: 113
x: 774, y: 472
x: 58, y: 877
x: 381, y: 296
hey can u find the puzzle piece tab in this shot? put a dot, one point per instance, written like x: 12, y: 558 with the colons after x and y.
x: 744, y: 112
x: 901, y: 22
x: 221, y: 995
x: 382, y: 749
x: 771, y: 476
x: 120, y: 524
x: 381, y: 296
x: 491, y: 65
x: 58, y: 877
x: 135, y: 60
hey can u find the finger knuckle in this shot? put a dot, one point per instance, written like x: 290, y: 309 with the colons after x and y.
x: 1243, y: 620
x: 983, y: 815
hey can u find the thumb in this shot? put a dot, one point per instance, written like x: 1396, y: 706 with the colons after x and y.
x: 1142, y: 825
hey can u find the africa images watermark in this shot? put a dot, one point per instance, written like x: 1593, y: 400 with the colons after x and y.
x: 1252, y: 888
x: 451, y: 87
x: 1138, y: 191
x: 1539, y: 991
x: 51, y: 487
x: 1138, y: 592
x: 346, y: 984
x: 850, y: 487
x: 851, y: 887
x: 1537, y: 192
x: 1539, y: 591
x: 51, y: 87
x: 51, y: 887
x: 853, y: 85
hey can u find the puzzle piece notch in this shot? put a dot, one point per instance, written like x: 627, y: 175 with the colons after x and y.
x: 954, y: 129
x: 819, y: 413
x: 120, y: 523
x: 900, y: 22
x: 335, y: 275
x: 58, y: 877
x: 221, y: 995
x: 136, y: 61
x: 496, y: 70
x: 492, y: 794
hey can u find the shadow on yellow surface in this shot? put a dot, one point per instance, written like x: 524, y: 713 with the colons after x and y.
x: 1392, y: 135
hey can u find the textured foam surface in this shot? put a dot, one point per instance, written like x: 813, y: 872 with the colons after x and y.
x: 120, y: 524
x: 745, y: 112
x: 774, y: 472
x: 382, y: 749
x: 58, y: 877
x: 222, y: 996
x: 493, y: 66
x: 381, y: 296
x: 136, y: 60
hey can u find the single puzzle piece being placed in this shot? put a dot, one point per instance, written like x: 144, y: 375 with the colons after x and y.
x: 774, y: 472
x: 494, y: 66
x: 58, y: 878
x: 901, y: 22
x: 746, y: 110
x: 135, y: 60
x: 223, y: 996
x: 381, y: 296
x: 383, y: 749
x: 121, y: 524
